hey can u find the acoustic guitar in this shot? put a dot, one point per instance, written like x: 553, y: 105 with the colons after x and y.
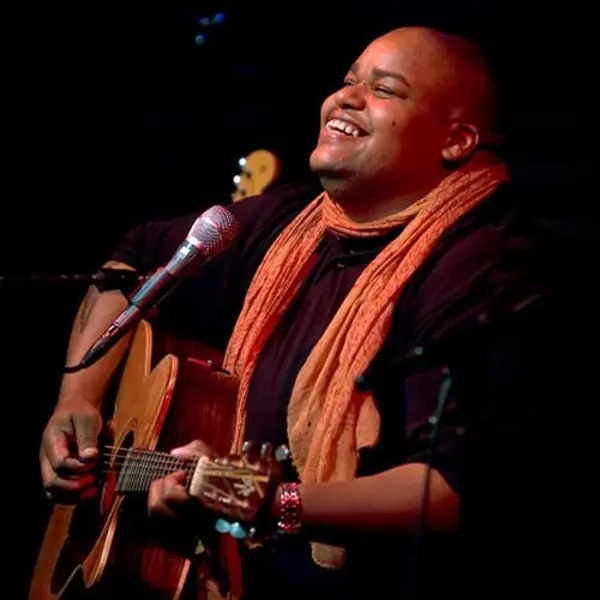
x: 258, y: 170
x: 171, y: 391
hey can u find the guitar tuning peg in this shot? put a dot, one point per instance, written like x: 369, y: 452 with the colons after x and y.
x: 282, y: 453
x: 235, y: 529
x: 222, y: 526
x: 248, y: 447
x: 266, y: 450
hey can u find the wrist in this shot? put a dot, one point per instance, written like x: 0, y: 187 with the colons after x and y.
x: 71, y: 403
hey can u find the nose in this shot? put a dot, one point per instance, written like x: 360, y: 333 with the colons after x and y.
x: 351, y: 96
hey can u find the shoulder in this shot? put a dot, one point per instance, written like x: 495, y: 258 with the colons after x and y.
x: 269, y: 211
x: 151, y: 243
x: 496, y: 235
x: 488, y: 262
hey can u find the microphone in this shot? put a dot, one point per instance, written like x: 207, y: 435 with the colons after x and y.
x: 212, y: 232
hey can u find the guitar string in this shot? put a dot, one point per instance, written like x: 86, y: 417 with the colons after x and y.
x: 140, y: 479
x: 141, y: 463
x: 138, y: 455
x: 178, y: 464
x: 123, y: 454
x: 120, y: 450
x: 215, y: 470
x: 145, y: 466
x: 140, y: 472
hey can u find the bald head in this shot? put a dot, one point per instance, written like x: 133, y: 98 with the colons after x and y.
x: 458, y: 69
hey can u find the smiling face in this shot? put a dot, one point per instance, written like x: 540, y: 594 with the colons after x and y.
x: 400, y: 114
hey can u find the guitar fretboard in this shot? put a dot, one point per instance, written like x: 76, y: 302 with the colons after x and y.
x: 139, y: 468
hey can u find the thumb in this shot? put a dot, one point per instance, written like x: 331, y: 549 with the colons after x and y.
x: 87, y: 428
x: 194, y: 449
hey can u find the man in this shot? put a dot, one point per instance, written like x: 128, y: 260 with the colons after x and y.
x: 412, y: 250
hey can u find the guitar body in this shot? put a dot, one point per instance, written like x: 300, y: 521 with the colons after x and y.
x: 106, y: 547
x: 259, y: 170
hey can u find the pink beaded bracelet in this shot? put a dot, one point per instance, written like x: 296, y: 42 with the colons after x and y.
x: 290, y: 508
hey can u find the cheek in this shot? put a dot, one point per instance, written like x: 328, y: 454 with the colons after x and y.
x: 410, y: 135
x: 390, y: 125
x: 327, y: 106
x: 399, y: 144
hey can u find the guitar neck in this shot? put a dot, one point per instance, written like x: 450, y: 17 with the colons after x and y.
x: 138, y: 468
x: 233, y: 485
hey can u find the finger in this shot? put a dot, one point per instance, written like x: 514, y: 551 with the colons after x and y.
x: 72, y: 486
x: 194, y: 449
x: 156, y: 504
x: 55, y: 448
x: 154, y: 494
x: 59, y: 487
x: 55, y: 445
x: 173, y: 491
x: 167, y: 495
x: 87, y: 428
x: 48, y: 474
x: 51, y: 479
x: 61, y: 496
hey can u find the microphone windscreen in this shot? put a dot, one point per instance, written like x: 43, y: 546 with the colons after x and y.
x: 213, y: 230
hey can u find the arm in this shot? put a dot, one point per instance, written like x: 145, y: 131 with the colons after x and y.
x: 69, y: 443
x: 386, y: 503
x: 76, y: 420
x: 95, y: 313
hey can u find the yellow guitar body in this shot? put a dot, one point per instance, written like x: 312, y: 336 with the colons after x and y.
x: 259, y: 169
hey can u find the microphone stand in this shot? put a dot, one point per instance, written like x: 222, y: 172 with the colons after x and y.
x: 104, y: 279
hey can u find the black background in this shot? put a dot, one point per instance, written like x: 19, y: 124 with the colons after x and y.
x: 114, y: 114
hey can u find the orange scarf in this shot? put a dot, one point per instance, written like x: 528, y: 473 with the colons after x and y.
x: 328, y: 419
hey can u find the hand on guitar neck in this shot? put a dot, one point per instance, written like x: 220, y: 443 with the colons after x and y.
x: 241, y: 489
x: 168, y: 496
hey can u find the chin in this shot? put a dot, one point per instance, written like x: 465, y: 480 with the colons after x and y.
x: 324, y: 168
x: 323, y: 160
x: 341, y: 189
x: 316, y: 161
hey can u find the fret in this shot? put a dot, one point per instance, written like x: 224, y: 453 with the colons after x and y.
x: 141, y: 467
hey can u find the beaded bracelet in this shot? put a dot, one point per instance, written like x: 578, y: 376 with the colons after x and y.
x: 290, y: 508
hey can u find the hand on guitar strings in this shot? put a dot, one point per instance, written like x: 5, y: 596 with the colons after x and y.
x: 168, y: 497
x: 69, y: 452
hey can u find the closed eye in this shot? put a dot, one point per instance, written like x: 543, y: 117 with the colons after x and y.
x: 379, y: 90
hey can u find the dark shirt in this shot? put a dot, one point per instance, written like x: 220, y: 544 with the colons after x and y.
x: 470, y: 310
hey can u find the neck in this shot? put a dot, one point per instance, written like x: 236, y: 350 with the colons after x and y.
x: 362, y: 212
x: 366, y: 205
x: 138, y: 468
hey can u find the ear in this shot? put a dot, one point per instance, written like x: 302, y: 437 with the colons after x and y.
x: 461, y: 142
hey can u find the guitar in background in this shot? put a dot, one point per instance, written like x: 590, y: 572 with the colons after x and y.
x: 258, y: 170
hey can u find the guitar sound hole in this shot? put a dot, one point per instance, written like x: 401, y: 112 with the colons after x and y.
x: 88, y: 518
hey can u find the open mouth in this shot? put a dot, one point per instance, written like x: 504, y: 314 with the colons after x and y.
x: 344, y: 128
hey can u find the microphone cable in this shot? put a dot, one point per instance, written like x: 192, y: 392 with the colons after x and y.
x: 417, y: 556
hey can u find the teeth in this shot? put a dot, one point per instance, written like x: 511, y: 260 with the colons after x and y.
x: 347, y: 128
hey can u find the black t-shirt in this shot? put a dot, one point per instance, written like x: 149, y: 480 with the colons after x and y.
x: 463, y: 310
